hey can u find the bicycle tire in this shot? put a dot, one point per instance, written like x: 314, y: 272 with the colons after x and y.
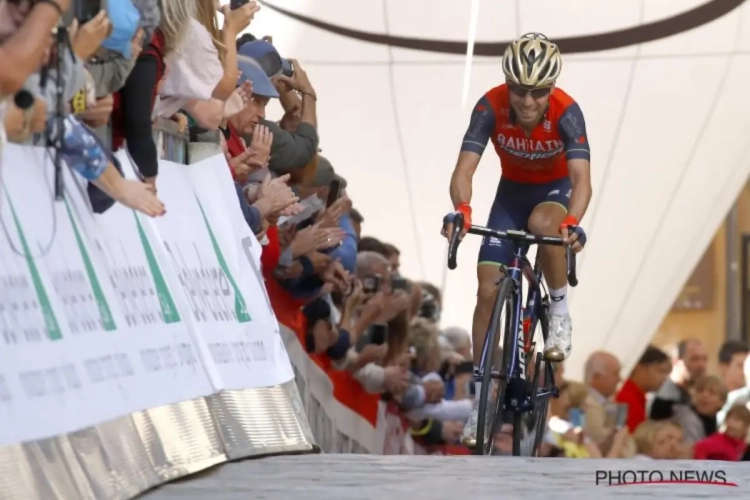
x: 537, y: 417
x: 529, y: 427
x: 485, y: 439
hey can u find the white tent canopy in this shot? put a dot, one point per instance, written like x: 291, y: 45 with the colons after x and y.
x: 667, y: 122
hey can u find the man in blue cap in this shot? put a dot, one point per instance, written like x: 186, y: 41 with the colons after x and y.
x: 290, y: 150
x: 268, y: 58
x: 247, y: 121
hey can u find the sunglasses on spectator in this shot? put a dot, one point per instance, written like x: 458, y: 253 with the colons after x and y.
x: 536, y: 93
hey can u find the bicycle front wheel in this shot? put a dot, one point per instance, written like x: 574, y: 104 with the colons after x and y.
x: 529, y: 428
x: 492, y: 393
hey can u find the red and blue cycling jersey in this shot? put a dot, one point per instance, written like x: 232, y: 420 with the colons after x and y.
x: 539, y: 157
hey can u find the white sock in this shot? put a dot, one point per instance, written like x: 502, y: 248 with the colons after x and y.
x: 558, y: 300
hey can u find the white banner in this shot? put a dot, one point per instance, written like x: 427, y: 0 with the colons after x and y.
x: 226, y: 302
x: 214, y: 182
x: 103, y: 315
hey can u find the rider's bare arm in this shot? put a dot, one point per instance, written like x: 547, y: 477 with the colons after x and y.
x: 475, y: 140
x: 580, y: 180
x: 573, y: 133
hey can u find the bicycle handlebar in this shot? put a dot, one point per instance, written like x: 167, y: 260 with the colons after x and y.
x: 519, y: 236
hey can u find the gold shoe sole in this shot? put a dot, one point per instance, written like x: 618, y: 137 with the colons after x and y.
x: 469, y: 442
x: 554, y: 354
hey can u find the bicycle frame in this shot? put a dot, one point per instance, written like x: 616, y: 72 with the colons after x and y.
x: 516, y: 393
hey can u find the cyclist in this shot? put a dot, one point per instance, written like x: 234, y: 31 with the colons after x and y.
x: 540, y: 136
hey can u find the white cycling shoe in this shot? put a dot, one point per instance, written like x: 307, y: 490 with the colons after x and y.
x: 469, y: 434
x: 558, y: 346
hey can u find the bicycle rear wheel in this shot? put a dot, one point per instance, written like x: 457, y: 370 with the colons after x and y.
x: 492, y: 393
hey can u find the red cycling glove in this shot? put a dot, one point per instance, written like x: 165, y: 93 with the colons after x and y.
x: 465, y: 210
x: 570, y: 220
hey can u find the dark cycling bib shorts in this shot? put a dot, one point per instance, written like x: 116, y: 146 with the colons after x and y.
x: 514, y: 203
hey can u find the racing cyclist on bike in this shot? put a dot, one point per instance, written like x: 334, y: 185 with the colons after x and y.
x: 539, y: 133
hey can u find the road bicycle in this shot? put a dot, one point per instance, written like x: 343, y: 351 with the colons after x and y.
x: 510, y: 393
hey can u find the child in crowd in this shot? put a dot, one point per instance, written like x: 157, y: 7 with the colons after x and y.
x: 730, y: 443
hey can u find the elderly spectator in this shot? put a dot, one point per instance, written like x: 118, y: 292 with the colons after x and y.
x: 602, y: 376
x: 460, y: 340
x: 296, y: 135
x: 256, y: 91
x: 688, y: 365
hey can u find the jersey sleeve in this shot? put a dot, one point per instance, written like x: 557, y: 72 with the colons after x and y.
x: 572, y: 129
x: 481, y: 126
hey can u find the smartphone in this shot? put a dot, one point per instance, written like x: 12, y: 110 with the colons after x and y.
x: 86, y: 10
x: 378, y: 333
x: 621, y: 415
x: 399, y: 283
x: 371, y: 284
x: 577, y: 418
x: 236, y: 4
x: 334, y: 192
x: 465, y: 367
x: 310, y: 206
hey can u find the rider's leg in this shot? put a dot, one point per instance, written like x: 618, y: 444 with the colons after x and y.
x: 506, y: 213
x: 488, y: 274
x: 545, y: 220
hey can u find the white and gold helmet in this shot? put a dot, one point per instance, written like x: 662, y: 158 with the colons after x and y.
x: 532, y: 61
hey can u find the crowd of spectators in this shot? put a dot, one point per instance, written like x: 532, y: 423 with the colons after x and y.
x: 172, y: 61
x: 667, y: 408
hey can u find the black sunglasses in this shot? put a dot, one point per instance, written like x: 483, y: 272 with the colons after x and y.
x: 536, y: 93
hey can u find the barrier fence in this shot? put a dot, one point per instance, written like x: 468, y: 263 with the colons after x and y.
x: 342, y: 416
x: 133, y: 350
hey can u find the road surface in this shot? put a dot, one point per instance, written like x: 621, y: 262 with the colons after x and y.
x: 333, y: 477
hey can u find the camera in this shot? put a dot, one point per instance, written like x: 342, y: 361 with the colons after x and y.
x: 400, y: 283
x: 371, y: 284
